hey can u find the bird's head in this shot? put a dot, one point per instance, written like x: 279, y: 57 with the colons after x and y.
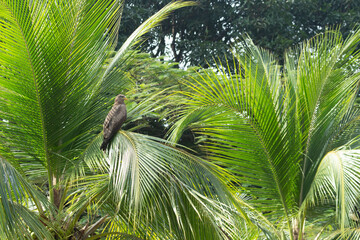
x: 120, y: 99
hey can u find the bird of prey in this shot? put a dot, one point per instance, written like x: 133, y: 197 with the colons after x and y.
x: 113, y: 121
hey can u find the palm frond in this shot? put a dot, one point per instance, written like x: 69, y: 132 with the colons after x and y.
x: 47, y: 72
x: 337, y: 179
x: 348, y: 233
x: 272, y: 128
x: 245, y: 124
x: 326, y: 90
x: 158, y: 188
x: 17, y: 197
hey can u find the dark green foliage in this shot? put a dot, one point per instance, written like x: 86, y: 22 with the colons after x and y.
x: 208, y: 30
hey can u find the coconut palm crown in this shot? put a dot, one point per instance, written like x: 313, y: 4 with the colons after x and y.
x: 288, y: 133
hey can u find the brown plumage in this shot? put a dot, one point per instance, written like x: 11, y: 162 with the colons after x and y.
x: 113, y: 121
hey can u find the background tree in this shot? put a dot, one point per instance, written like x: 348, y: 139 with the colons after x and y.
x: 207, y: 30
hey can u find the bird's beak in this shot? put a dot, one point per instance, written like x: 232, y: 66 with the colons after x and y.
x: 125, y: 98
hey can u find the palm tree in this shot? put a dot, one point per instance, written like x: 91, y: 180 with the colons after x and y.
x: 289, y: 134
x: 56, y: 86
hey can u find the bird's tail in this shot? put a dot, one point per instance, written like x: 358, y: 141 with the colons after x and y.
x: 104, y: 144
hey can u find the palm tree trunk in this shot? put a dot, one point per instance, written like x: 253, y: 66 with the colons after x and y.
x: 57, y: 191
x: 295, y: 231
x: 298, y: 228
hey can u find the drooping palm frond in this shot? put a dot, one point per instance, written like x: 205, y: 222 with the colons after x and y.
x: 17, y: 198
x: 338, y: 178
x: 348, y: 233
x: 157, y: 188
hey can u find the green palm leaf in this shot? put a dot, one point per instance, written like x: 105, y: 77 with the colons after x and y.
x: 273, y: 129
x: 17, y: 197
x: 47, y: 74
x: 157, y: 188
x: 337, y: 178
x: 240, y: 124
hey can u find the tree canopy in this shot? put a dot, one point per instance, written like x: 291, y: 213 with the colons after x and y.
x: 208, y: 29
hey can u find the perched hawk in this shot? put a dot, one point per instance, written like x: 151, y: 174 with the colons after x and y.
x: 113, y: 121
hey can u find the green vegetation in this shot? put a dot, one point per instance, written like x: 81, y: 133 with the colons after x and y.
x: 288, y: 133
x: 253, y: 148
x: 208, y: 29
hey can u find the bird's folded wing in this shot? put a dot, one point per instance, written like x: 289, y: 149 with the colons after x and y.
x: 107, y: 127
